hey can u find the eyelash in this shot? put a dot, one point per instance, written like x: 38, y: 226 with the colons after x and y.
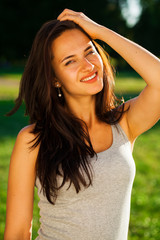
x: 67, y: 63
x: 90, y: 52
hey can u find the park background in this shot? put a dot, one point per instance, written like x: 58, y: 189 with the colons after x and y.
x: 138, y: 20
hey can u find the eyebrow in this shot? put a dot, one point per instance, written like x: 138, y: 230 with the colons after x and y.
x: 74, y: 55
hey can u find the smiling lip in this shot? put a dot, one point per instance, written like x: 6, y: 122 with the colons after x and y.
x: 90, y: 80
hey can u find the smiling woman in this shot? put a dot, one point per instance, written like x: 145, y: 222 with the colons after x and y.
x: 76, y: 64
x: 78, y: 148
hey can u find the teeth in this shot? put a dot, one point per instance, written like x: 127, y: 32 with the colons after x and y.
x: 89, y: 78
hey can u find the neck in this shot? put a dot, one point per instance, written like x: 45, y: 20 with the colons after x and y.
x: 84, y: 109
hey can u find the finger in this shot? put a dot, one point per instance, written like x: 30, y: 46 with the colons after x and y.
x: 68, y: 17
x: 65, y: 12
x: 65, y: 16
x: 74, y: 18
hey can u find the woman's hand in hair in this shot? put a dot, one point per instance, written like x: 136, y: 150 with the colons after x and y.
x: 82, y: 20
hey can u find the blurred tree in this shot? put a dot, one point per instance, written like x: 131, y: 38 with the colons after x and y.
x: 146, y: 31
x: 21, y: 19
x: 131, y: 10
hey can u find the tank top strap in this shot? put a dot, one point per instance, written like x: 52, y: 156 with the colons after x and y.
x: 118, y: 134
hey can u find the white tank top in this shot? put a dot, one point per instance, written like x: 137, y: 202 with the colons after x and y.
x: 99, y: 212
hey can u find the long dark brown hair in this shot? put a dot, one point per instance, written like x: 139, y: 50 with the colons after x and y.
x: 65, y: 146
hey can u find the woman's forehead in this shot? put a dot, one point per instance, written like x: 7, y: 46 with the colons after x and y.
x: 70, y: 42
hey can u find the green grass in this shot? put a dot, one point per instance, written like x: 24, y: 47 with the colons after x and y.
x: 144, y: 221
x: 8, y: 92
x: 129, y: 84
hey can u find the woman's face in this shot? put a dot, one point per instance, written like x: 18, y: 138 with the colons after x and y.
x: 77, y: 64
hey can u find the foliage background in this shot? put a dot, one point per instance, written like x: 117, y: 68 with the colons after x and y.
x: 19, y: 22
x: 21, y: 19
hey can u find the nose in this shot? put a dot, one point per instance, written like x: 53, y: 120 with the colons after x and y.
x: 86, y: 65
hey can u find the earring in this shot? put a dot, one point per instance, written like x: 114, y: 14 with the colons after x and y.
x: 57, y: 85
x: 59, y: 92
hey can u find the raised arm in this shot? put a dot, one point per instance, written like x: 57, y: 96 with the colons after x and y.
x: 144, y: 110
x: 21, y: 188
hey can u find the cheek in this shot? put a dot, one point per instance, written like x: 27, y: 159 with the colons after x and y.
x: 96, y: 60
x: 67, y: 76
x: 70, y: 71
x: 99, y: 59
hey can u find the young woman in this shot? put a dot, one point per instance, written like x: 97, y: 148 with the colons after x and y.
x: 78, y: 148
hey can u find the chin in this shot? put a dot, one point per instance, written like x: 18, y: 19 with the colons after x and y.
x: 94, y: 92
x: 97, y: 89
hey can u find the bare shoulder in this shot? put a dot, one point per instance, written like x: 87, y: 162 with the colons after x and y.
x: 24, y: 142
x: 26, y: 133
x: 23, y: 161
x: 24, y: 156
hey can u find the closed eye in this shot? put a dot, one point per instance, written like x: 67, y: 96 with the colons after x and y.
x: 69, y: 62
x: 90, y: 52
x: 72, y: 61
